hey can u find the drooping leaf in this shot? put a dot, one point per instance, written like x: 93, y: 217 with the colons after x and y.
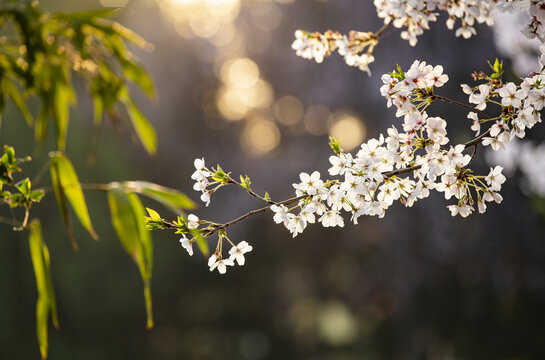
x: 46, y: 303
x: 170, y: 198
x: 143, y: 128
x: 128, y: 220
x: 67, y: 187
x: 201, y: 243
x: 87, y: 15
x: 98, y: 110
x: 123, y: 220
x: 42, y: 123
x: 18, y: 100
x: 138, y: 75
x: 63, y: 97
x: 113, y: 28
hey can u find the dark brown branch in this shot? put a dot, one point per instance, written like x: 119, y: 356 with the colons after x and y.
x: 381, y: 31
x: 445, y: 99
x: 252, y: 212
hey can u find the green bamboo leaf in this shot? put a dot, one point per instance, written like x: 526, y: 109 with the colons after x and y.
x: 67, y: 187
x: 123, y: 220
x: 63, y: 206
x: 42, y: 123
x: 143, y: 128
x: 64, y: 95
x: 170, y: 198
x: 143, y: 234
x: 145, y: 262
x: 98, y: 110
x: 46, y: 303
x: 18, y: 100
x: 128, y: 220
x: 87, y: 15
x: 137, y: 75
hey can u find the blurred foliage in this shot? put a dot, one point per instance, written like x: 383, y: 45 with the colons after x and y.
x: 39, y: 53
x: 41, y: 50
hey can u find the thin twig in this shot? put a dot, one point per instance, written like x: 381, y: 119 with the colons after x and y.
x: 9, y: 221
x: 445, y: 99
x: 257, y: 211
x: 382, y: 29
x: 251, y: 192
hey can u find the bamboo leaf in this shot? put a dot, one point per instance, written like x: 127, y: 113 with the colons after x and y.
x: 98, y: 110
x: 170, y: 198
x: 42, y: 123
x: 137, y: 75
x: 63, y: 206
x: 66, y: 185
x: 87, y: 15
x: 18, y: 100
x: 128, y: 220
x: 123, y: 220
x: 143, y: 128
x: 63, y: 97
x: 46, y: 303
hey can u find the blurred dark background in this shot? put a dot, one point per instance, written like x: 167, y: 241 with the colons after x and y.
x: 417, y: 284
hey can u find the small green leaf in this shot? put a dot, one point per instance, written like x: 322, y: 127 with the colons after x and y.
x: 335, y: 145
x: 16, y: 200
x: 66, y: 185
x: 36, y: 195
x: 170, y: 198
x: 24, y: 187
x: 153, y: 214
x: 46, y: 303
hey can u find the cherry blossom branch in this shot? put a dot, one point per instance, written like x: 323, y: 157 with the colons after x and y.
x: 217, y: 227
x: 245, y: 184
x: 251, y: 213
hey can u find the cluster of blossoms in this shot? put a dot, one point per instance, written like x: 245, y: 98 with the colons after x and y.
x: 317, y: 46
x: 520, y: 105
x: 216, y: 261
x: 414, y: 16
x: 201, y: 177
x: 370, y: 184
